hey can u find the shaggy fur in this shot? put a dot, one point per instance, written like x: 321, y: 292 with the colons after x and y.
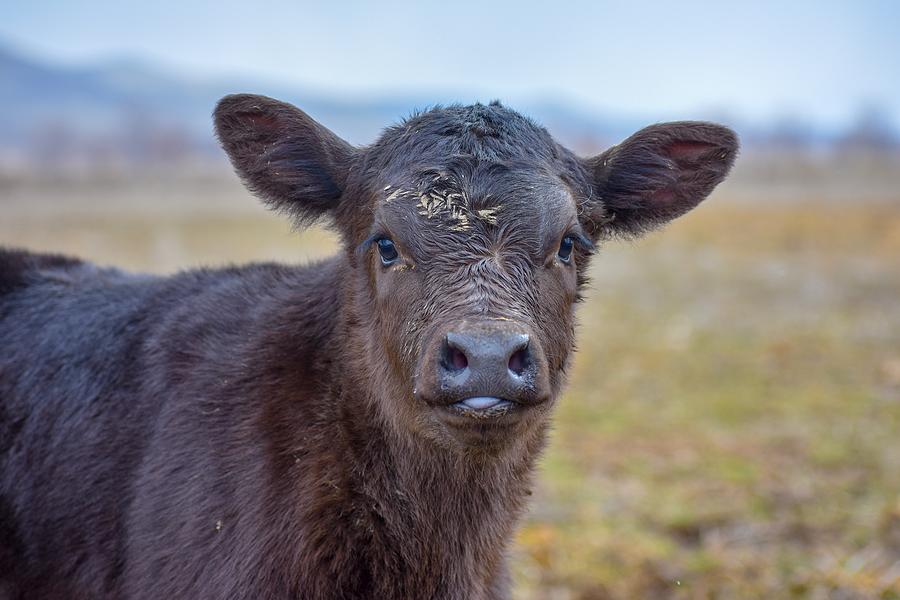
x: 268, y: 431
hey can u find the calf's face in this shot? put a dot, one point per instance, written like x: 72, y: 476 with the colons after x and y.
x: 468, y: 231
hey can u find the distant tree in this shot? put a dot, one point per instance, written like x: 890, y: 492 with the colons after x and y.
x: 791, y: 132
x: 52, y: 144
x: 871, y: 131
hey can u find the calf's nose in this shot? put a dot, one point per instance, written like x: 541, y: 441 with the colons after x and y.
x: 498, y: 358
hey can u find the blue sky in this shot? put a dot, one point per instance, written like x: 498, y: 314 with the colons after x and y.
x: 818, y: 61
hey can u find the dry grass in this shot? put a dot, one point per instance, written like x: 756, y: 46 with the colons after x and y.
x: 732, y: 427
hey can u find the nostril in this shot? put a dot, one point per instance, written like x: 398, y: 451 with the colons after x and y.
x: 519, y: 361
x: 458, y: 360
x: 454, y: 359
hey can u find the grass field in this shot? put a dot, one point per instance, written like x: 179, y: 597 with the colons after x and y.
x: 732, y: 427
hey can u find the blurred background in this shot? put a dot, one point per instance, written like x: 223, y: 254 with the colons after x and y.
x: 732, y: 428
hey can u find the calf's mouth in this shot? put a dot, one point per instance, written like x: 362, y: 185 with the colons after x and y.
x: 483, y: 407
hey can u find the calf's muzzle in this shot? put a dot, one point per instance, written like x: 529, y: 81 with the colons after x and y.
x: 483, y: 366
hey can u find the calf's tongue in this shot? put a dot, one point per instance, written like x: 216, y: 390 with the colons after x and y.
x: 481, y: 402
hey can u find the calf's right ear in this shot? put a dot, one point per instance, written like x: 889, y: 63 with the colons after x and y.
x: 283, y: 155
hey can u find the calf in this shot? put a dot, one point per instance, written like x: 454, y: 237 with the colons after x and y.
x: 363, y: 427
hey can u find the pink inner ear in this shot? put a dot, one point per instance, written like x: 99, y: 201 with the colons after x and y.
x: 663, y: 196
x: 688, y: 151
x: 259, y: 121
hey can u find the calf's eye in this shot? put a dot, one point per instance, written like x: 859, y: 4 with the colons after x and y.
x: 565, y: 249
x: 388, y: 251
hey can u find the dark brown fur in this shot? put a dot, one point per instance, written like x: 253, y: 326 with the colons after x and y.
x: 273, y: 432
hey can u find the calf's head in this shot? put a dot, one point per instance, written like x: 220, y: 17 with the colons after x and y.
x: 467, y: 231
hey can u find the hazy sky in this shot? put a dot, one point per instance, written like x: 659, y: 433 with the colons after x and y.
x: 815, y: 60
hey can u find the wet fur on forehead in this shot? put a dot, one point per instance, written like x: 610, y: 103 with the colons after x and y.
x: 476, y: 168
x: 489, y: 203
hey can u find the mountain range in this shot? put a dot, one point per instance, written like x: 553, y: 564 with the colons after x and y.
x: 134, y: 108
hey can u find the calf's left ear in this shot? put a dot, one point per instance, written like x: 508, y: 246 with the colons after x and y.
x: 657, y: 174
x: 283, y: 155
